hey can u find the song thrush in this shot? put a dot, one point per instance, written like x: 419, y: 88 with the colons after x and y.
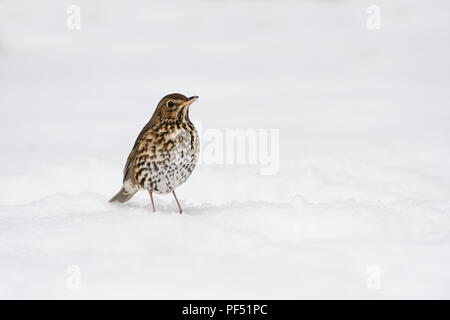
x: 165, y: 152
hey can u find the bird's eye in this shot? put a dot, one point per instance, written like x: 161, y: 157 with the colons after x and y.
x: 170, y: 104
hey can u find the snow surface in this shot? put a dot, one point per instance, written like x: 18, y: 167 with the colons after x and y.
x: 364, y: 166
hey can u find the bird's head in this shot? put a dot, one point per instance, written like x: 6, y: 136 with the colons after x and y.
x: 174, y: 106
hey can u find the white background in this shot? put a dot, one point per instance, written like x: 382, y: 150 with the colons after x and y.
x: 364, y: 165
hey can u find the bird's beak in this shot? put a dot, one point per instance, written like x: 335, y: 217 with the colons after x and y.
x: 189, y: 101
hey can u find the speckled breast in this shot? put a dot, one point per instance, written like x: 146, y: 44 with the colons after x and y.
x: 167, y: 157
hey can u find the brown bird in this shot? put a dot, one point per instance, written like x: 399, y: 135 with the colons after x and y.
x: 165, y: 152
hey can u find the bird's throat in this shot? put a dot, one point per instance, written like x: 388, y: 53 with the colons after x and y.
x: 183, y: 114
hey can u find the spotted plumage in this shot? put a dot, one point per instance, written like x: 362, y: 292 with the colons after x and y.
x: 165, y: 152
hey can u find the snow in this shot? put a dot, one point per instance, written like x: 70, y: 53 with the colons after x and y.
x: 359, y: 206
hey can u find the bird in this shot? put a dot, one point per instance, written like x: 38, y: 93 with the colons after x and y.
x: 165, y: 152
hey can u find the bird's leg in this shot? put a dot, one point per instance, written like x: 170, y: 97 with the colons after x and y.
x: 179, y: 207
x: 151, y: 198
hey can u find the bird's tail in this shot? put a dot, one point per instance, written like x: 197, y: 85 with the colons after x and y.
x: 122, y: 196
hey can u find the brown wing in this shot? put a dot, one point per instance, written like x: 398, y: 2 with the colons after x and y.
x: 128, y: 170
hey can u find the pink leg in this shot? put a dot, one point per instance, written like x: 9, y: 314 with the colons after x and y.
x: 179, y: 207
x: 151, y: 198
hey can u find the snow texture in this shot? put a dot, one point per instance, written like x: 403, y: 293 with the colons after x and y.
x: 360, y: 205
